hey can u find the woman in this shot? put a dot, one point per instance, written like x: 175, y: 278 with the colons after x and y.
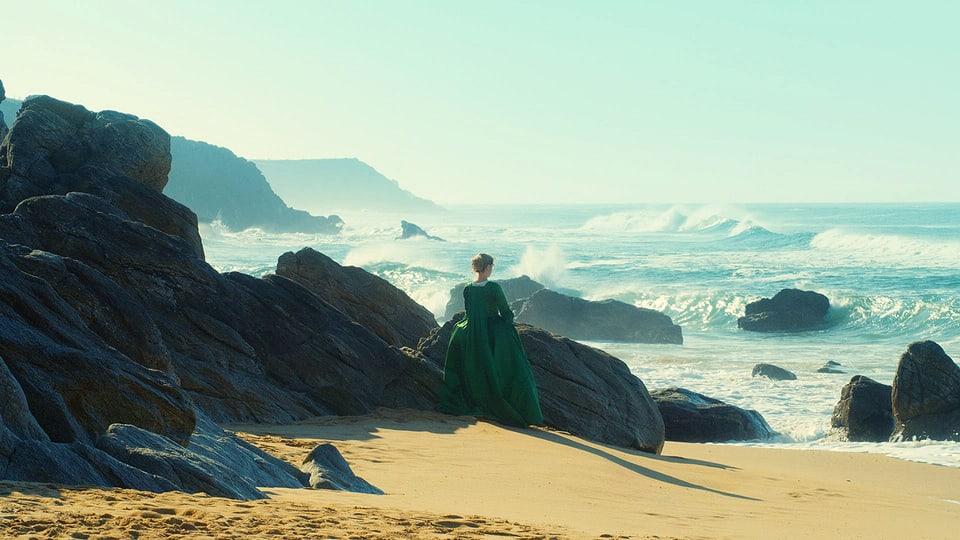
x: 486, y: 372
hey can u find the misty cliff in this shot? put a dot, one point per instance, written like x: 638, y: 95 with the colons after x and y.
x: 218, y: 185
x: 336, y: 185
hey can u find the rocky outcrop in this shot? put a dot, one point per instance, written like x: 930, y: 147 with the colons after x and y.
x: 926, y: 394
x: 219, y: 186
x: 3, y: 124
x: 790, y: 310
x: 514, y: 289
x: 118, y: 340
x: 327, y: 469
x: 369, y: 300
x: 772, y: 372
x: 607, y: 320
x: 692, y: 417
x: 864, y: 412
x: 412, y: 230
x: 58, y: 147
x: 583, y: 390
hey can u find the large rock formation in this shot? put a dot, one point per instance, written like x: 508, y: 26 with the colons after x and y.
x: 607, y: 320
x: 514, y: 289
x: 583, y: 390
x: 58, y: 147
x: 790, y: 310
x: 692, y: 417
x: 116, y: 336
x: 367, y: 299
x: 926, y: 394
x: 3, y: 124
x: 219, y: 186
x: 864, y: 412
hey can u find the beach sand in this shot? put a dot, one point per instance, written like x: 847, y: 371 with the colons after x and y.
x: 452, y: 477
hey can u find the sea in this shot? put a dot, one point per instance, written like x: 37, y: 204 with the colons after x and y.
x: 890, y: 271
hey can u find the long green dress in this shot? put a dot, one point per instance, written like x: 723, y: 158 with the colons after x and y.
x: 486, y: 372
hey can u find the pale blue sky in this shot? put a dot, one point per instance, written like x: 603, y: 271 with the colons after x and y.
x: 533, y: 101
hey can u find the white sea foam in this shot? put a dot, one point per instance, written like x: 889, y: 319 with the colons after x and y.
x: 863, y: 249
x: 548, y: 266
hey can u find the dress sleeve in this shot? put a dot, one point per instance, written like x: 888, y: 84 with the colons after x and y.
x: 505, y: 312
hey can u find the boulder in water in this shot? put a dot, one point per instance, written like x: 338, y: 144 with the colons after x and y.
x: 926, y: 394
x: 692, y: 417
x: 864, y: 412
x: 790, y: 310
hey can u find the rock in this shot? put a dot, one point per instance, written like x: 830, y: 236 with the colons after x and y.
x: 367, y: 299
x: 117, y: 335
x: 926, y: 394
x: 773, y: 372
x: 328, y: 470
x: 864, y: 412
x: 514, y: 289
x: 790, y: 310
x: 411, y: 230
x: 583, y: 390
x: 219, y: 186
x: 3, y: 125
x: 692, y: 417
x: 607, y: 320
x: 830, y: 367
x: 56, y: 148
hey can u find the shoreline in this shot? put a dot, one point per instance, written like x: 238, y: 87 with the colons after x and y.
x: 454, y: 477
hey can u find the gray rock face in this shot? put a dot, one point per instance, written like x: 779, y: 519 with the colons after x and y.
x: 864, y: 412
x: 926, y: 394
x: 114, y: 332
x: 327, y: 469
x: 583, y: 390
x: 790, y: 310
x: 773, y: 372
x: 608, y: 320
x: 692, y: 417
x: 514, y: 289
x: 57, y: 148
x: 367, y: 299
x: 3, y: 125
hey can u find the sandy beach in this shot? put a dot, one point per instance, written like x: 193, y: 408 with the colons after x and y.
x: 451, y: 477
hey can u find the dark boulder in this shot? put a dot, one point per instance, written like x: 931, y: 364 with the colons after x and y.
x: 607, y: 320
x: 583, y: 390
x: 412, y: 230
x: 369, y: 300
x: 327, y: 469
x: 514, y: 289
x: 864, y: 412
x: 831, y: 367
x: 790, y: 310
x: 773, y: 372
x: 692, y: 417
x: 926, y: 394
x: 56, y: 148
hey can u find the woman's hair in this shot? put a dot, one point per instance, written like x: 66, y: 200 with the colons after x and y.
x: 480, y: 262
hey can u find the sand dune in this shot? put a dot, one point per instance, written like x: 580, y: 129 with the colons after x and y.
x: 448, y: 477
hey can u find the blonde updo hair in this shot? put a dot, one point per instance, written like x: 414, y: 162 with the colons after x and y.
x: 480, y: 262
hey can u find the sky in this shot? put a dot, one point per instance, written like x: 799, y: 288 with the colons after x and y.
x: 521, y: 102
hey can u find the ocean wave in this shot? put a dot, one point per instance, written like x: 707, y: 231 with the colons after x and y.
x: 866, y: 249
x: 675, y: 220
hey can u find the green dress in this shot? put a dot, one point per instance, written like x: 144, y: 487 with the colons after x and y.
x: 486, y: 372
